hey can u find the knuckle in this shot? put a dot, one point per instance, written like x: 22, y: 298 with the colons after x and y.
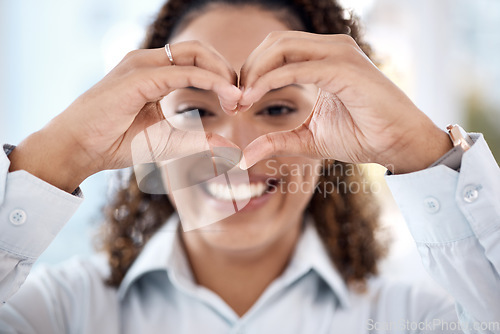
x: 129, y: 54
x: 132, y: 55
x: 191, y: 48
x: 209, y: 136
x: 132, y: 60
x: 283, y: 42
x: 271, y: 141
x: 168, y: 144
x: 346, y: 39
x: 195, y: 45
x: 274, y: 35
x: 184, y: 74
x: 349, y: 53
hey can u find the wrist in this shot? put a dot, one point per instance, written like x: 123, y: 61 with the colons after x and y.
x: 421, y: 150
x: 54, y: 159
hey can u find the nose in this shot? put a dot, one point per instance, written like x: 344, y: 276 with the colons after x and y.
x: 238, y: 129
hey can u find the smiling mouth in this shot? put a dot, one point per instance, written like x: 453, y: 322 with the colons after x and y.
x: 242, y: 191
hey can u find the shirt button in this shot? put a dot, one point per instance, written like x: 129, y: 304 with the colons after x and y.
x: 431, y: 204
x: 17, y: 217
x: 471, y: 193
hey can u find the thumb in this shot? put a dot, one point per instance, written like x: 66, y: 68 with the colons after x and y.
x: 162, y: 141
x: 296, y: 142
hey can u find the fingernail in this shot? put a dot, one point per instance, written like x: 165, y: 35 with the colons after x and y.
x: 229, y: 110
x: 246, y: 93
x: 244, y: 108
x: 243, y: 163
x: 236, y: 90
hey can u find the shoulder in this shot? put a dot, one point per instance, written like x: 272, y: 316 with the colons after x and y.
x: 76, y: 276
x: 393, y: 301
x: 66, y: 297
x: 75, y: 288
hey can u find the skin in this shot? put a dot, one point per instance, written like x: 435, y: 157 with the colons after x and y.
x: 361, y: 117
x: 350, y: 121
x: 250, y: 248
x: 96, y: 131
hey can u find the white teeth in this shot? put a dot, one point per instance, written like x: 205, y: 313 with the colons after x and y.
x: 240, y: 191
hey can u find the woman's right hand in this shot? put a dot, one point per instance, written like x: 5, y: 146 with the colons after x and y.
x: 96, y: 131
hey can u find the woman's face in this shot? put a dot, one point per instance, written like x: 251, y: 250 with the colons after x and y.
x: 280, y: 188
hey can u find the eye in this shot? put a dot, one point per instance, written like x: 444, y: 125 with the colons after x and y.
x: 190, y: 112
x: 277, y: 110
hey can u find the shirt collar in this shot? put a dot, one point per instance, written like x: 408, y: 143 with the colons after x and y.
x: 311, y: 254
x: 163, y: 252
x: 156, y: 255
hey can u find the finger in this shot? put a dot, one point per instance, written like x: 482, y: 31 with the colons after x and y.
x: 157, y: 145
x: 184, y: 143
x: 162, y: 142
x: 297, y: 142
x: 155, y: 83
x: 267, y: 42
x: 195, y: 53
x: 311, y: 72
x: 291, y: 46
x: 188, y: 53
x: 285, y: 52
x: 243, y: 108
x: 280, y: 44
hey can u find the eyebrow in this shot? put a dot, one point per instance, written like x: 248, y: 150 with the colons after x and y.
x: 196, y: 89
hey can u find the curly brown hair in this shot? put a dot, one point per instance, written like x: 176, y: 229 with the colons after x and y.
x: 346, y: 221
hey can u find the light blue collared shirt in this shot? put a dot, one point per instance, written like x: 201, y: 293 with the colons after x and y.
x: 459, y: 244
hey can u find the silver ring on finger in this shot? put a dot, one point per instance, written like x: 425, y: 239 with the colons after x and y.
x: 169, y: 53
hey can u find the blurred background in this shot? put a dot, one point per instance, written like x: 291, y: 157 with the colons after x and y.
x: 443, y: 54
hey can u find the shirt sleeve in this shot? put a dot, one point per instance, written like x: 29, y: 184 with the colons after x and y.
x: 454, y: 218
x: 32, y: 212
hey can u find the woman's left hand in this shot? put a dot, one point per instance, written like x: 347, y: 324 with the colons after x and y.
x: 360, y: 115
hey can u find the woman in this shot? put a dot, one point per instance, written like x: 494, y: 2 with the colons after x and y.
x: 292, y: 262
